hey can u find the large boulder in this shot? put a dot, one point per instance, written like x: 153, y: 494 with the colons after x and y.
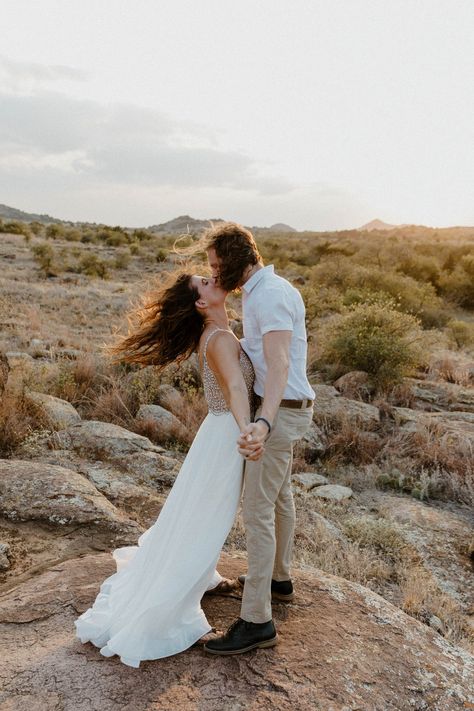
x: 170, y: 398
x: 332, y: 492
x: 103, y: 439
x: 46, y: 492
x: 59, y: 413
x: 129, y: 451
x: 355, y: 384
x: 165, y: 422
x: 341, y: 647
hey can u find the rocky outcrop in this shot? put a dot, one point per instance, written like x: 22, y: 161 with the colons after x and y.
x: 56, y: 495
x: 436, y: 396
x: 341, y: 647
x: 59, y: 413
x: 330, y: 403
x: 458, y: 426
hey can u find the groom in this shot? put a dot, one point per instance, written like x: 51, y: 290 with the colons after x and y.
x: 275, y: 341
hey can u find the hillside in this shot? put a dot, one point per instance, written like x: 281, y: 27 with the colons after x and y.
x: 11, y: 213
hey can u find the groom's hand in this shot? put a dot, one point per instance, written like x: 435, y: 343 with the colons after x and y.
x: 251, y: 440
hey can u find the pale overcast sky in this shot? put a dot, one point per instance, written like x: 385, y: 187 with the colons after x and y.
x: 323, y: 114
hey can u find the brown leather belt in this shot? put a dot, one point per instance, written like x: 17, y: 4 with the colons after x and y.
x: 294, y: 404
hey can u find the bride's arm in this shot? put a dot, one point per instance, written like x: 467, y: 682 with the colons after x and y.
x: 223, y: 354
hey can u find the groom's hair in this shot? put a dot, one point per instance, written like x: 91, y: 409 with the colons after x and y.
x: 236, y: 250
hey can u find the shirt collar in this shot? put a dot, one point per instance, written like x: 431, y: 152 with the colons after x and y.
x: 255, y: 278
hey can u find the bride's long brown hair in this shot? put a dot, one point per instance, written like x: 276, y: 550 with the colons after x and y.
x: 165, y: 327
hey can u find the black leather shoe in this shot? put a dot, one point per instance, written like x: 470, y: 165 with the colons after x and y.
x: 243, y: 636
x: 282, y: 590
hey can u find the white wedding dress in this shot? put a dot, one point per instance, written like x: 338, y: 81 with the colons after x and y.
x: 150, y: 608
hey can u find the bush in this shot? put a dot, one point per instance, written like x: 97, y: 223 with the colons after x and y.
x: 460, y: 332
x: 15, y: 227
x: 55, y: 231
x: 458, y: 285
x: 46, y: 258
x: 375, y: 338
x: 92, y: 265
x: 122, y: 260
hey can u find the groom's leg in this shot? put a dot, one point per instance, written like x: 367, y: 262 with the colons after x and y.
x: 285, y: 519
x: 297, y: 423
x: 263, y: 481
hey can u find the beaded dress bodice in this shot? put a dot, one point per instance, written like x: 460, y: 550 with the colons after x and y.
x: 212, y: 391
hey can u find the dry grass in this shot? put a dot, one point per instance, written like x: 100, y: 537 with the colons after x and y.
x: 18, y: 420
x: 422, y: 598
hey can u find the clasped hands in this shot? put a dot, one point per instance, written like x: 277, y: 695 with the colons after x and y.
x: 251, y: 441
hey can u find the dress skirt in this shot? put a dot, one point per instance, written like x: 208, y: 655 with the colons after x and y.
x: 150, y: 608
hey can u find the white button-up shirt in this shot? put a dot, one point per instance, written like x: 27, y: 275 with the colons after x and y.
x: 271, y: 303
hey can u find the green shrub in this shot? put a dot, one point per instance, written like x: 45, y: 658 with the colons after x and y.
x: 161, y: 255
x: 92, y: 265
x: 375, y: 338
x: 14, y: 227
x: 122, y: 260
x: 46, y: 258
x: 55, y: 231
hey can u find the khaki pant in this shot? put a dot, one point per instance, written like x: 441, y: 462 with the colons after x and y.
x: 269, y: 512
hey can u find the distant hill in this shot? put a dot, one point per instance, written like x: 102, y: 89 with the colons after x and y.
x: 183, y: 224
x: 379, y: 225
x: 277, y: 227
x: 11, y: 213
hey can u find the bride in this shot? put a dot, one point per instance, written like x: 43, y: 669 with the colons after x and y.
x: 150, y: 608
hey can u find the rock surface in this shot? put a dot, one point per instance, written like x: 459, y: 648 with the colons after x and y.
x: 436, y: 396
x: 330, y: 403
x: 34, y: 491
x: 59, y: 413
x: 355, y: 384
x: 308, y: 480
x: 341, y: 648
x: 170, y: 398
x: 129, y: 451
x: 167, y: 423
x: 442, y: 537
x: 333, y: 492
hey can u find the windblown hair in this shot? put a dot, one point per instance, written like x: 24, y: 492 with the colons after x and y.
x: 165, y: 328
